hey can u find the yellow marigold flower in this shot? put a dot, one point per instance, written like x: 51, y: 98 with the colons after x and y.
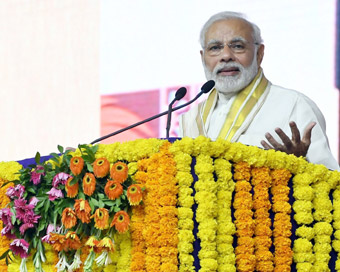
x: 305, y: 267
x: 113, y: 189
x: 83, y: 210
x: 302, y: 245
x: 303, y: 193
x: 101, y: 218
x: 303, y: 218
x: 76, y: 165
x: 119, y: 172
x: 302, y: 206
x: 72, y: 190
x: 134, y: 194
x: 121, y: 221
x: 89, y: 184
x: 68, y: 218
x: 101, y: 167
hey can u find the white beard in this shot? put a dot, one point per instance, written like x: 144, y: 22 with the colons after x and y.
x: 232, y: 84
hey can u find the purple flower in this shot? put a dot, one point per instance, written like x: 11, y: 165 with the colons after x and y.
x: 60, y: 178
x: 54, y: 194
x: 19, y: 247
x: 5, y: 216
x: 29, y: 220
x: 17, y: 191
x: 36, y: 176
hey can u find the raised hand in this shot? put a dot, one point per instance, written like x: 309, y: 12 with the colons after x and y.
x: 296, y: 145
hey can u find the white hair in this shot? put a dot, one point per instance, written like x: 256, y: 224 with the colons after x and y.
x: 225, y: 15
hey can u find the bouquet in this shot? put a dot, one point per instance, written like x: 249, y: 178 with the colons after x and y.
x: 74, y: 203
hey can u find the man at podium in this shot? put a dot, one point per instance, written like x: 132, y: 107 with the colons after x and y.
x: 244, y: 106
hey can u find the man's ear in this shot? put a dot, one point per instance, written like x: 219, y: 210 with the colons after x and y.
x: 201, y: 52
x: 260, y: 53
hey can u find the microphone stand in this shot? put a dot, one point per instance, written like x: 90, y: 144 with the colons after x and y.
x: 203, y: 90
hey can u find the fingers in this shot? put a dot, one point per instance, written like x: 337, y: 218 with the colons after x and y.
x: 307, y: 135
x: 266, y: 145
x: 295, y: 132
x: 273, y: 142
x: 285, y: 139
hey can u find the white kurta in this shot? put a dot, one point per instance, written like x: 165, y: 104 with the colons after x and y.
x: 280, y: 107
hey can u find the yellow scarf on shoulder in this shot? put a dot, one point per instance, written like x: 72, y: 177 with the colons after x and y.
x: 243, y: 104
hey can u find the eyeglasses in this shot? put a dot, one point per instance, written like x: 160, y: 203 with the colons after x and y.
x: 237, y: 47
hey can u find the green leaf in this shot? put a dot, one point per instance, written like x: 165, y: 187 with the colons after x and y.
x: 37, y: 158
x: 101, y: 204
x: 61, y: 149
x: 116, y: 209
x: 31, y: 190
x: 95, y: 202
x: 89, y: 167
x: 47, y: 206
x: 81, y: 195
x: 74, y: 180
x: 4, y: 255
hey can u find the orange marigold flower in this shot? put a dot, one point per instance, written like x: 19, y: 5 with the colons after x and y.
x: 72, y: 190
x: 113, y: 189
x: 58, y: 241
x: 76, y: 165
x: 89, y: 184
x: 101, y: 218
x: 68, y: 218
x: 92, y: 244
x: 101, y: 167
x: 121, y: 221
x: 106, y: 244
x: 134, y: 194
x: 83, y: 210
x: 72, y: 241
x: 119, y: 172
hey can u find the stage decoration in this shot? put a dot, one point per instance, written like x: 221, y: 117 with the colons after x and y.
x: 154, y: 205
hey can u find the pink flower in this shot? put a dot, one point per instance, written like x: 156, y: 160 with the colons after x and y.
x: 54, y: 194
x: 7, y: 231
x: 19, y: 247
x: 5, y: 216
x: 34, y: 201
x: 29, y: 220
x: 36, y: 174
x: 17, y: 191
x: 60, y: 178
x: 21, y: 208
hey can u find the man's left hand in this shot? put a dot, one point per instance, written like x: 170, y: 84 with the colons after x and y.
x: 295, y: 145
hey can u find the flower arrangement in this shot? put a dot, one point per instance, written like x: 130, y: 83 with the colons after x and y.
x: 182, y: 224
x: 74, y: 203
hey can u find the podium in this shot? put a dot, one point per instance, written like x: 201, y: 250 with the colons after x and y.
x: 206, y: 206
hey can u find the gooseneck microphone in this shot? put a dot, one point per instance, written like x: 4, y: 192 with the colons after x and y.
x: 207, y: 87
x: 181, y: 92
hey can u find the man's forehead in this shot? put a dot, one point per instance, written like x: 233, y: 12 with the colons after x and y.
x: 229, y: 29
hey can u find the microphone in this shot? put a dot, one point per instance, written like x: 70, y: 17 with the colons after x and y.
x: 207, y: 87
x: 181, y: 92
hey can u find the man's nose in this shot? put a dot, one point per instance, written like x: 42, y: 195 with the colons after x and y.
x: 227, y: 54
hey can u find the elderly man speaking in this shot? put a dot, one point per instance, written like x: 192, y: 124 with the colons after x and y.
x: 244, y: 106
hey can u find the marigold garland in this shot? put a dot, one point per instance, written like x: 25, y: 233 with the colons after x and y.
x: 206, y: 212
x: 312, y: 208
x: 283, y: 255
x: 261, y: 182
x: 245, y: 226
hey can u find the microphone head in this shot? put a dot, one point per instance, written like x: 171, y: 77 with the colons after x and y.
x: 208, y: 86
x: 181, y: 92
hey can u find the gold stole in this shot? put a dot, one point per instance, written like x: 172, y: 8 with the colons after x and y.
x: 240, y: 109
